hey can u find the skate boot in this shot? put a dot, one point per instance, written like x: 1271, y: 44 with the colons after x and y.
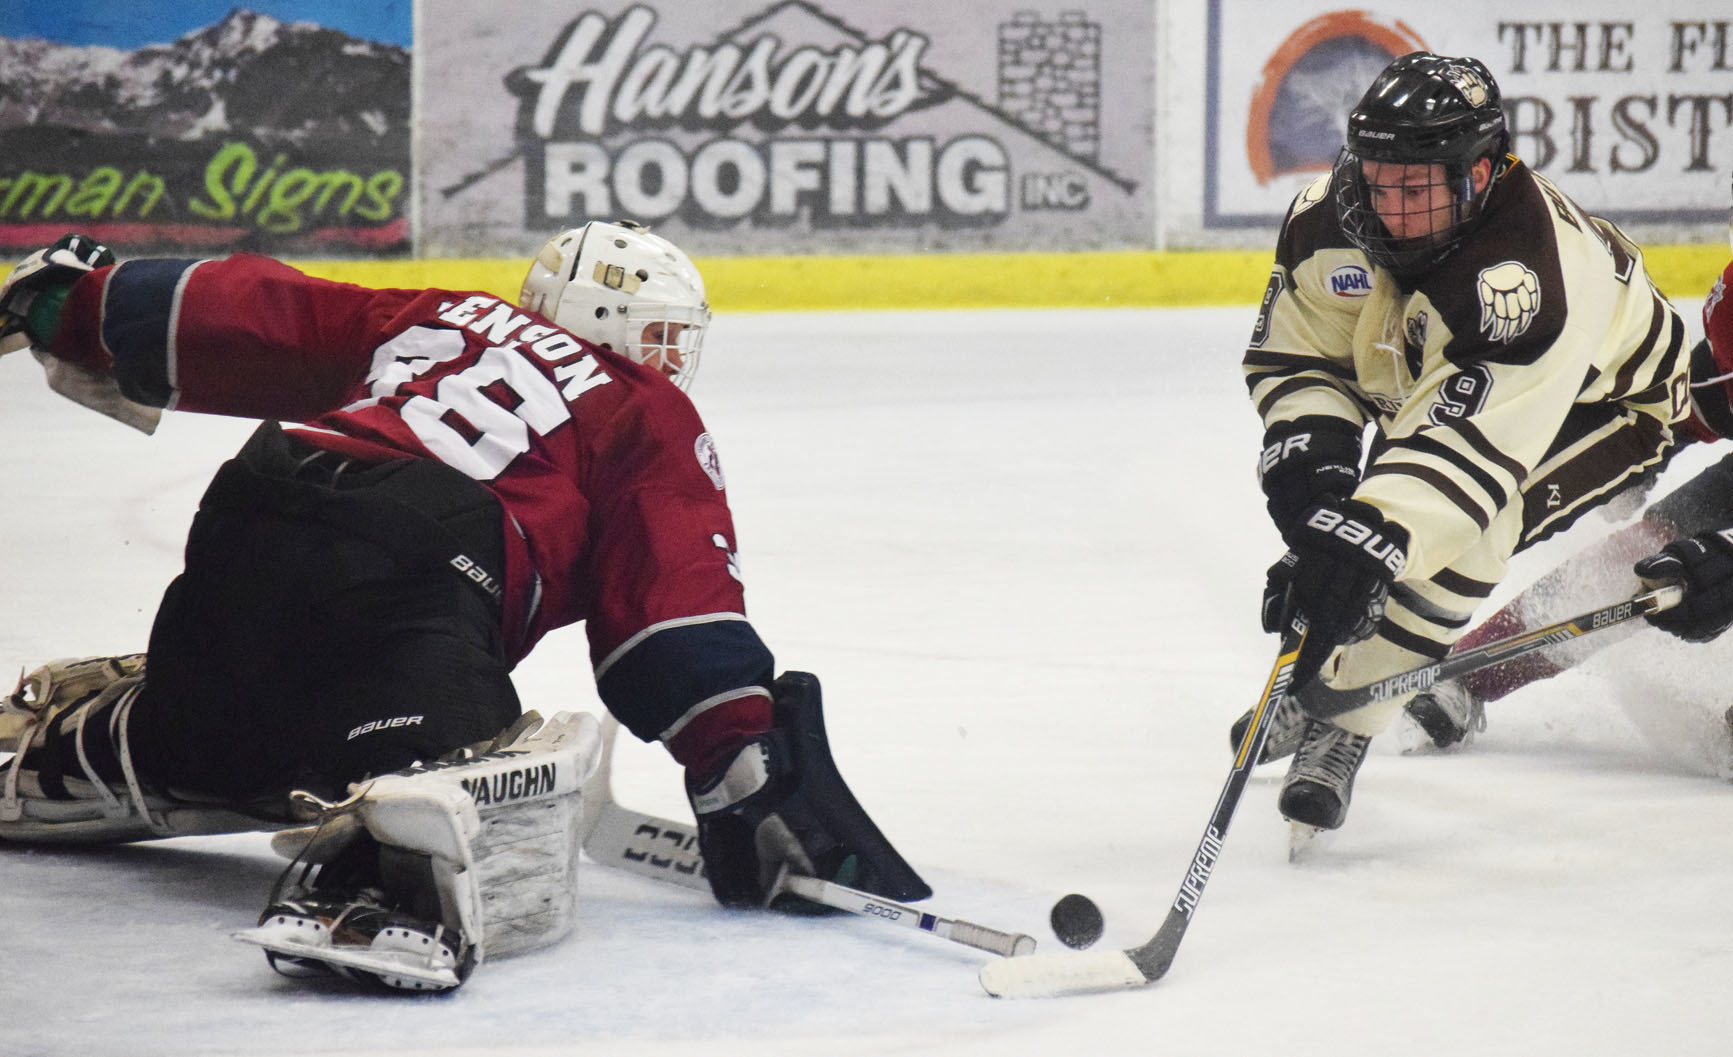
x: 1449, y: 713
x: 71, y: 778
x: 1286, y: 728
x: 1320, y: 781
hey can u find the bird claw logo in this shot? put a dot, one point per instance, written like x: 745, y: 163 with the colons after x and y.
x: 1509, y: 301
x: 1471, y: 85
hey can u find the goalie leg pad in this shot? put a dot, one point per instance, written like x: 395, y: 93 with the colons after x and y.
x: 71, y: 778
x: 476, y: 854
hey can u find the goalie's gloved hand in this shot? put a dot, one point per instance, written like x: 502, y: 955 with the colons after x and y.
x: 779, y: 801
x: 1703, y: 565
x: 1342, y: 558
x: 1313, y: 459
x: 32, y: 296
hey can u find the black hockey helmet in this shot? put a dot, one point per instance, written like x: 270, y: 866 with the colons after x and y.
x: 1422, y: 109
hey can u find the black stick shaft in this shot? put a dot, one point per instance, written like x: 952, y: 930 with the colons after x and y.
x: 1323, y: 702
x: 1153, y: 958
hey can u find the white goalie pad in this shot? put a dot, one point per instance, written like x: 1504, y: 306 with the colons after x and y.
x: 501, y: 830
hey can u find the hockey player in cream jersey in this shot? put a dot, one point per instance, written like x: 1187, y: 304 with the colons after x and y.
x: 1511, y: 355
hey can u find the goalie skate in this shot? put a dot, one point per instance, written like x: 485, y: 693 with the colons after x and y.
x: 360, y: 942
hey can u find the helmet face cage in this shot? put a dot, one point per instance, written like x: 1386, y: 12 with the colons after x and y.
x: 619, y: 286
x: 1423, y: 110
x: 1445, y: 206
x: 667, y: 337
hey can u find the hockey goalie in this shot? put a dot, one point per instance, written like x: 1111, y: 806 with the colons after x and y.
x: 439, y: 479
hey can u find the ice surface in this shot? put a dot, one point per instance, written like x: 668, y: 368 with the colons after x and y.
x: 1023, y: 552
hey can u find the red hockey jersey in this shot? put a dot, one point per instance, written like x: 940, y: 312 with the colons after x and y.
x: 614, y: 497
x: 1712, y: 364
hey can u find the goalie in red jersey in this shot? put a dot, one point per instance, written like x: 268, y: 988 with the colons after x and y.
x: 441, y: 478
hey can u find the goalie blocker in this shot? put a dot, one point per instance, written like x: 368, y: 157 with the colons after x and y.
x: 779, y: 802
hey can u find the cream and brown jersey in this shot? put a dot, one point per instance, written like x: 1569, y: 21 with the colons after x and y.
x: 1469, y: 370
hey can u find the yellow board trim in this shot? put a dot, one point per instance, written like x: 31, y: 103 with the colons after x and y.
x: 970, y: 280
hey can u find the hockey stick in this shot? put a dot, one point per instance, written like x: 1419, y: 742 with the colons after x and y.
x: 1323, y: 702
x: 667, y: 851
x: 1051, y: 975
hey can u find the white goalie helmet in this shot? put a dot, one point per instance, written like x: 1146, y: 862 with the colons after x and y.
x: 617, y: 285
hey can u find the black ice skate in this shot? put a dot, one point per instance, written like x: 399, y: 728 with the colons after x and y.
x: 1320, y: 781
x: 1287, y: 727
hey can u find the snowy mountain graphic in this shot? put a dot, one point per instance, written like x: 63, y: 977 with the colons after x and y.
x: 275, y: 82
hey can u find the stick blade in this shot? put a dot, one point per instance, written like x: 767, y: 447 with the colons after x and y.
x: 1058, y: 974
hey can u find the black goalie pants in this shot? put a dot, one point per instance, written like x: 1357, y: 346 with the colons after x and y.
x: 322, y: 631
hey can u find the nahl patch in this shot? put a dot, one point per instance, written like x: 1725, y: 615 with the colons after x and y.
x: 1350, y: 280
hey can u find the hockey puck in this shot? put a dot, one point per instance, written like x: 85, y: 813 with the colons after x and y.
x: 1076, y: 921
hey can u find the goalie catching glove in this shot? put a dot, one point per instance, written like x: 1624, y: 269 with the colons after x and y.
x: 779, y: 802
x: 32, y: 301
x: 32, y: 296
x: 424, y: 873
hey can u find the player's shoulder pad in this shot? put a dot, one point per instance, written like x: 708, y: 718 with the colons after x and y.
x: 1502, y: 294
x: 1310, y: 225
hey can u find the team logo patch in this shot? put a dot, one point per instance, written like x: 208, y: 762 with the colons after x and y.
x: 705, y: 449
x: 1509, y: 301
x: 1350, y: 280
x: 1414, y: 342
x: 1472, y: 86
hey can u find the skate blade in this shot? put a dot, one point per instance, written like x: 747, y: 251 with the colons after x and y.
x: 389, y: 966
x: 1305, y: 841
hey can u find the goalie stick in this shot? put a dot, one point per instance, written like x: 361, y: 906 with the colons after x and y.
x: 666, y: 850
x: 1323, y: 702
x: 1052, y: 975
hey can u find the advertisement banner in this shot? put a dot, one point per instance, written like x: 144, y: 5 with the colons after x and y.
x: 787, y: 126
x: 245, y: 131
x: 1629, y: 108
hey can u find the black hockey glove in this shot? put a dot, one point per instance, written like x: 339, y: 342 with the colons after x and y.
x: 1342, y: 558
x: 780, y: 802
x: 32, y: 296
x: 1313, y: 459
x: 1703, y: 565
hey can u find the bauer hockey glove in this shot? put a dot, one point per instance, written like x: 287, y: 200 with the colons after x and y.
x: 779, y: 801
x: 31, y: 297
x: 1703, y: 565
x: 1313, y: 459
x: 1342, y: 558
